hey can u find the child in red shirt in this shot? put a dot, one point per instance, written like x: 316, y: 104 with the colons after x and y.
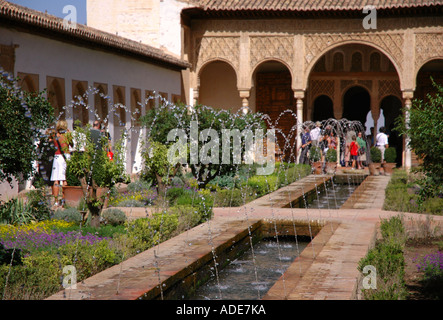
x: 354, y: 151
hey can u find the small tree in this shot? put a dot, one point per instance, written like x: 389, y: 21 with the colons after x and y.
x: 157, y: 166
x: 23, y: 118
x: 94, y: 170
x: 424, y: 129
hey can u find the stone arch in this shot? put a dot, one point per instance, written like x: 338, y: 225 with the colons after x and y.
x: 356, y: 103
x: 218, y: 85
x: 101, y: 103
x: 119, y: 104
x: 56, y: 96
x: 323, y: 108
x: 271, y: 59
x: 423, y: 84
x: 81, y: 101
x: 392, y: 108
x: 209, y: 61
x: 356, y: 63
x: 28, y: 82
x: 309, y: 66
x: 374, y: 61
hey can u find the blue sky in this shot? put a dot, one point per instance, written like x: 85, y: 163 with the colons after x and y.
x: 55, y: 7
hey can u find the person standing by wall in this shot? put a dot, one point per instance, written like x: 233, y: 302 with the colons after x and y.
x: 62, y: 141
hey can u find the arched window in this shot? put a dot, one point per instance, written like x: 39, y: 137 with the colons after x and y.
x: 338, y: 62
x: 375, y: 62
x: 356, y: 62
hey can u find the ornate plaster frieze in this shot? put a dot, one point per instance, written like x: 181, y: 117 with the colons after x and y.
x: 224, y: 48
x: 271, y: 47
x: 427, y: 46
x: 318, y: 44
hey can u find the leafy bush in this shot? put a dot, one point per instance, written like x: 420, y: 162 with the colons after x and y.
x: 233, y: 197
x: 388, y: 259
x: 424, y: 125
x: 113, y: 217
x: 15, y: 211
x: 331, y: 155
x: 23, y: 118
x: 69, y: 215
x: 315, y: 154
x: 139, y: 186
x: 375, y: 154
x: 390, y: 155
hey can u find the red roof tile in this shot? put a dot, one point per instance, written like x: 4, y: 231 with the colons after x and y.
x: 36, y: 19
x: 309, y: 5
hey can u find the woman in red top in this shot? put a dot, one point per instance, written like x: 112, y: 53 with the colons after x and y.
x: 354, y: 151
x: 62, y: 141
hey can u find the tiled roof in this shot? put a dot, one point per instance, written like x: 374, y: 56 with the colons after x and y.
x: 34, y: 20
x: 310, y: 5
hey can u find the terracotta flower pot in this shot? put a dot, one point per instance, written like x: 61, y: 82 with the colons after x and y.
x: 389, y: 167
x: 331, y: 167
x: 72, y: 195
x: 317, y: 166
x: 374, y: 169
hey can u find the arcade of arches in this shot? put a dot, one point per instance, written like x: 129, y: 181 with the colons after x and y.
x: 370, y: 81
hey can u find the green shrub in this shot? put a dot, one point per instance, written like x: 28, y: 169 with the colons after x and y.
x: 315, y: 154
x: 10, y: 256
x: 262, y: 185
x: 38, y: 277
x: 390, y: 155
x: 16, y: 211
x: 69, y: 215
x: 375, y: 154
x: 331, y: 155
x: 113, y: 217
x: 388, y: 259
x: 173, y: 193
x: 139, y: 186
x: 232, y: 198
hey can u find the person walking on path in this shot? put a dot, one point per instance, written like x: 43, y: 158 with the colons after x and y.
x: 62, y: 141
x: 382, y: 142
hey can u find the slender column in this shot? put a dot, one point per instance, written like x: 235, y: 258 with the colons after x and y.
x: 299, y: 96
x: 244, y: 95
x: 407, y: 95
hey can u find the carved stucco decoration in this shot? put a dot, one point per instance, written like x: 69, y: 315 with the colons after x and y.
x: 321, y: 87
x: 427, y: 46
x: 318, y: 44
x: 217, y: 48
x: 387, y: 88
x: 276, y: 47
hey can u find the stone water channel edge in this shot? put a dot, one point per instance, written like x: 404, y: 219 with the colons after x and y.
x: 329, y: 264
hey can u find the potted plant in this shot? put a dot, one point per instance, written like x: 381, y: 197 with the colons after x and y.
x: 375, y: 164
x: 331, y: 161
x: 315, y: 157
x: 390, y: 157
x: 97, y: 174
x: 73, y: 192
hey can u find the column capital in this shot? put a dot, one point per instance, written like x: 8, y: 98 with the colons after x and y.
x: 408, y: 94
x: 244, y: 93
x: 299, y: 94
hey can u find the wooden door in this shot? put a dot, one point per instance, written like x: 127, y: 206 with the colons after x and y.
x: 274, y: 97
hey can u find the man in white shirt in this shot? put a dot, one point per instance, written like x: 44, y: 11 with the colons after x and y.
x: 315, y: 134
x: 382, y: 142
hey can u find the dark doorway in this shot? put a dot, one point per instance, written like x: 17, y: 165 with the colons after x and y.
x: 356, y: 104
x: 323, y: 108
x: 392, y: 108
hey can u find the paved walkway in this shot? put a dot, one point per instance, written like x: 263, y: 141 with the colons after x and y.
x: 326, y: 269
